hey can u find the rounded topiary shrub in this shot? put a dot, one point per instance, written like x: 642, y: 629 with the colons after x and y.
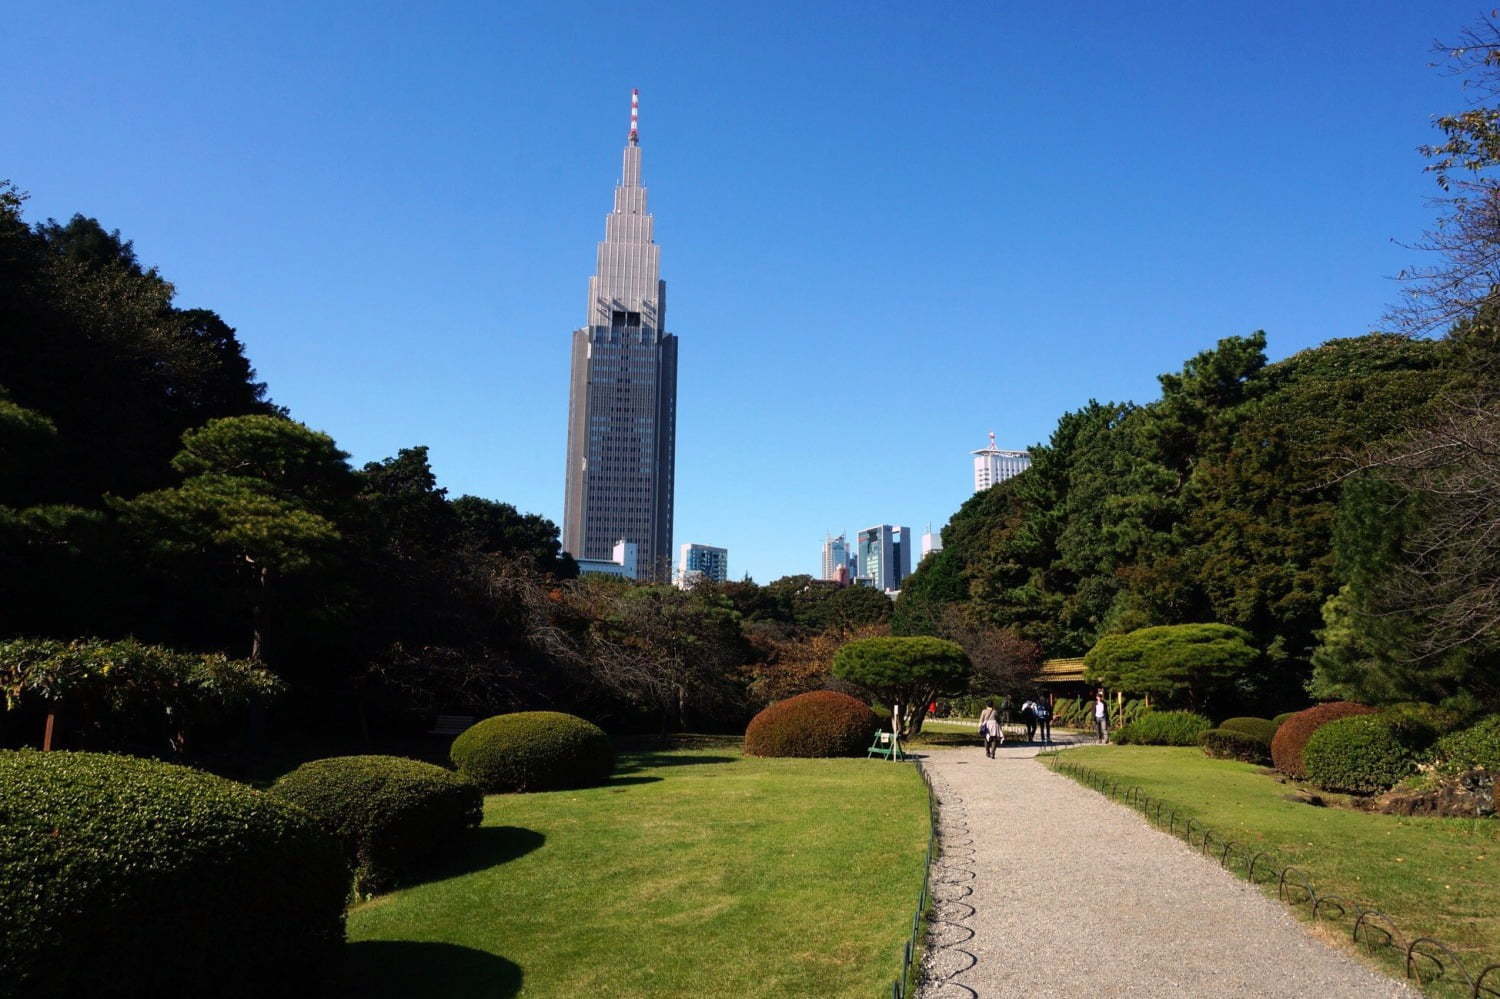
x: 1233, y: 744
x: 1291, y: 737
x: 820, y: 723
x: 125, y: 877
x: 1259, y: 728
x: 1280, y: 719
x: 1363, y: 754
x: 388, y: 813
x: 533, y: 751
x: 1439, y: 719
x: 1163, y: 728
x: 1476, y: 747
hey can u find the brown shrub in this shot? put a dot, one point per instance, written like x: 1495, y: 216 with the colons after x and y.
x: 820, y: 723
x: 1291, y: 737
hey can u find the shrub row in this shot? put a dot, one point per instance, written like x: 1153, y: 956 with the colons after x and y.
x: 389, y: 814
x: 819, y: 723
x: 1232, y: 744
x: 1293, y: 733
x: 1163, y: 728
x: 125, y: 877
x: 1363, y: 754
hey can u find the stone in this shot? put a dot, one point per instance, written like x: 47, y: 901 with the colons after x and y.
x: 1471, y: 795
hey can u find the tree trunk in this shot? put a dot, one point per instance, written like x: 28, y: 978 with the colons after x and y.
x: 258, y: 618
x: 49, y: 731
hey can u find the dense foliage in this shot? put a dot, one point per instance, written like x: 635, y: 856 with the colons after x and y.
x: 1364, y: 754
x: 1292, y: 735
x: 904, y: 674
x: 125, y: 693
x: 1163, y: 728
x: 1236, y: 744
x: 1259, y: 728
x: 1184, y: 662
x: 818, y: 723
x: 534, y: 751
x: 130, y: 878
x: 389, y: 814
x: 1473, y: 747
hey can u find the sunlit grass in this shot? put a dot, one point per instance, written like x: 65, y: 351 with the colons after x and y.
x: 692, y: 873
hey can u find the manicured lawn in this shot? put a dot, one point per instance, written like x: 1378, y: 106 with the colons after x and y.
x: 692, y: 873
x: 1433, y: 877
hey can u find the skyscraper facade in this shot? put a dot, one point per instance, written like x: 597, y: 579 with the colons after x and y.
x: 622, y: 402
x: 884, y: 556
x: 992, y: 465
x: 697, y: 563
x: 835, y: 556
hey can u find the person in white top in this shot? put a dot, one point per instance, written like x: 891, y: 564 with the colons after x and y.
x: 989, y: 727
x: 1101, y: 716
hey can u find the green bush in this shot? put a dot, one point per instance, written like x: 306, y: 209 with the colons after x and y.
x: 1364, y: 754
x: 1163, y: 728
x: 1475, y: 746
x: 1280, y: 719
x: 533, y: 751
x: 820, y: 723
x: 1259, y: 728
x: 1234, y: 744
x: 1291, y: 737
x: 1439, y: 719
x: 125, y: 877
x: 388, y: 813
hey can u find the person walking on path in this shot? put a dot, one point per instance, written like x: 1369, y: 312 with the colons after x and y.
x: 1028, y: 718
x: 1101, y: 716
x: 989, y: 727
x: 1044, y: 719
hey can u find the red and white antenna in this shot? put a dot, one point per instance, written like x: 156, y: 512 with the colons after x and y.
x: 635, y: 116
x: 992, y: 440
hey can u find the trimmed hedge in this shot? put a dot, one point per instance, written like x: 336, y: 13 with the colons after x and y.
x: 1291, y: 738
x: 1280, y: 720
x: 1259, y: 728
x: 128, y: 878
x: 1364, y: 754
x: 388, y: 813
x: 1163, y: 728
x: 1233, y: 744
x: 819, y: 723
x: 533, y: 751
x: 1439, y: 719
x: 1474, y: 747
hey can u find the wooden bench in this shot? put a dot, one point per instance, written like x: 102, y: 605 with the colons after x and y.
x: 452, y: 724
x: 885, y: 746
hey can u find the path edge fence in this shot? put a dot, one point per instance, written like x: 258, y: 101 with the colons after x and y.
x: 1424, y: 957
x: 905, y: 986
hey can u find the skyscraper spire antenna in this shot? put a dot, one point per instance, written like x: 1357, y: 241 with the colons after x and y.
x: 635, y: 117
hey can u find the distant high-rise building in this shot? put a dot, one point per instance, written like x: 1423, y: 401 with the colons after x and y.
x: 835, y: 554
x: 931, y: 542
x: 884, y: 556
x: 622, y: 404
x: 992, y: 465
x: 696, y: 563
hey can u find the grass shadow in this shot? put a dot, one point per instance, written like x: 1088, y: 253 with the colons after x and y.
x: 402, y: 968
x: 632, y: 762
x: 482, y: 848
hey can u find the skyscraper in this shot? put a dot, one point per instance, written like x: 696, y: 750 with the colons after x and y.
x: 992, y: 465
x: 622, y: 403
x: 835, y: 556
x: 884, y: 556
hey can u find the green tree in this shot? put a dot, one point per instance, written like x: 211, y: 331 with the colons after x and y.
x: 1188, y: 662
x: 905, y: 674
x: 261, y: 496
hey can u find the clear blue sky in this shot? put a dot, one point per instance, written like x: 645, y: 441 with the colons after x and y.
x: 886, y: 229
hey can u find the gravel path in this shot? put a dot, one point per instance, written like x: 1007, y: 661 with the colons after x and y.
x: 1045, y: 888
